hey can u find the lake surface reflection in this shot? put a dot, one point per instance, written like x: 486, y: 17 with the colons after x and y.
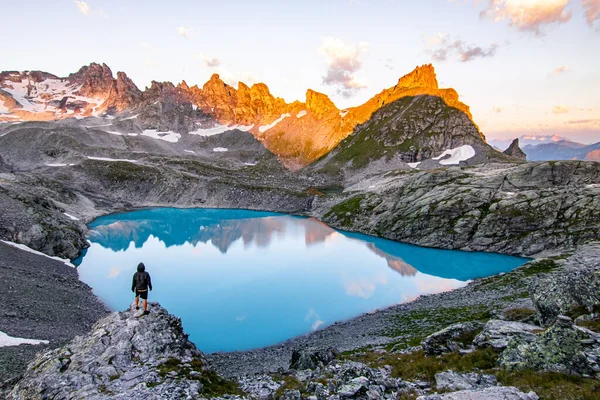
x: 245, y: 279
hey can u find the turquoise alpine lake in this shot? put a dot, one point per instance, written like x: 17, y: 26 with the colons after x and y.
x: 246, y: 279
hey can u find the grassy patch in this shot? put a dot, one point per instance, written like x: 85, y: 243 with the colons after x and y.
x: 551, y: 385
x: 346, y: 211
x: 419, y: 366
x: 539, y: 267
x: 593, y: 325
x: 289, y: 383
x: 418, y: 324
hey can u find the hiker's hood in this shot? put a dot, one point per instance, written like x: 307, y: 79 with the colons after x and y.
x: 141, y: 267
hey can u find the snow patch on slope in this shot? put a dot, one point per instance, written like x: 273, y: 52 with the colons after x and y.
x: 265, y: 128
x: 71, y: 217
x: 30, y: 250
x: 301, y: 114
x: 6, y: 340
x: 221, y: 129
x: 413, y: 164
x: 457, y: 155
x: 111, y: 159
x: 220, y: 149
x: 3, y: 108
x: 169, y: 136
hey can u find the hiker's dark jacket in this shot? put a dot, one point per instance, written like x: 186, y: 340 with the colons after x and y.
x: 141, y: 279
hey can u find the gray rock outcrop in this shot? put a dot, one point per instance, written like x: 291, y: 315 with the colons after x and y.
x: 125, y: 356
x: 451, y: 380
x: 302, y: 359
x: 451, y: 338
x: 574, y: 283
x: 497, y: 333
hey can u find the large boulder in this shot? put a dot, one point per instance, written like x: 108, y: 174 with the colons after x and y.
x: 451, y: 338
x: 497, y: 333
x: 491, y: 393
x: 125, y: 356
x: 303, y: 359
x: 573, y: 284
x: 562, y: 348
x: 451, y: 380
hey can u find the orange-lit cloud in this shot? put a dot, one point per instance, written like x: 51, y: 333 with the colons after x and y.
x: 592, y: 10
x: 560, y: 110
x: 528, y: 15
x: 560, y: 70
x: 83, y: 7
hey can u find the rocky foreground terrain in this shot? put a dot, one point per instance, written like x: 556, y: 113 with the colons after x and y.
x: 411, y: 165
x: 505, y: 339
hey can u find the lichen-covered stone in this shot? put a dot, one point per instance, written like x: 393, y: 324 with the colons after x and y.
x: 576, y: 284
x: 451, y: 380
x: 560, y: 349
x: 497, y: 333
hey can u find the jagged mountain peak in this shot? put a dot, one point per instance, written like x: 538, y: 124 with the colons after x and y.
x: 421, y: 77
x: 297, y: 132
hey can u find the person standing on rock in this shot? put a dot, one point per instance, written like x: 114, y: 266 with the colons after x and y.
x: 140, y: 286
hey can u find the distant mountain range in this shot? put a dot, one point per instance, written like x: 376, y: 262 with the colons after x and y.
x: 298, y: 132
x: 563, y: 150
x: 552, y: 147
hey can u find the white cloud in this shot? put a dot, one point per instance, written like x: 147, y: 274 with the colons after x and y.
x: 343, y: 61
x: 317, y: 321
x: 560, y: 110
x: 210, y: 62
x: 592, y: 10
x: 83, y: 7
x: 183, y: 31
x: 528, y: 15
x: 146, y: 45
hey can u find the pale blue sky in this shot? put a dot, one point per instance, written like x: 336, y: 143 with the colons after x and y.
x: 279, y: 42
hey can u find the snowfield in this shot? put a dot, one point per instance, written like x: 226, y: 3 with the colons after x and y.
x: 301, y: 114
x: 414, y: 164
x: 42, y: 93
x: 265, y: 128
x: 220, y: 149
x: 457, y: 155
